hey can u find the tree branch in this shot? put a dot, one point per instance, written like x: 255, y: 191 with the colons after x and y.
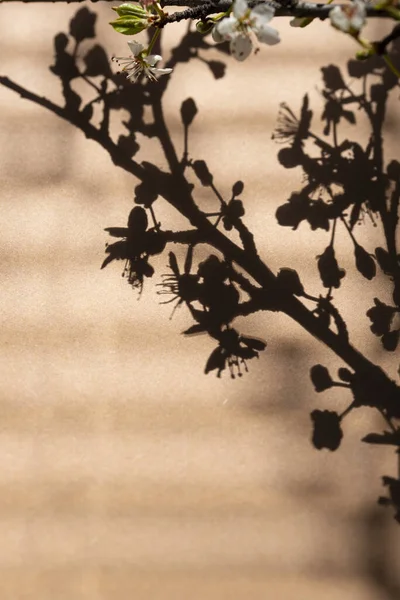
x: 282, y: 9
x: 52, y: 1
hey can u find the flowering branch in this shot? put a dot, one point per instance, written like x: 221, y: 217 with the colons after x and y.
x: 282, y: 9
x: 202, y: 8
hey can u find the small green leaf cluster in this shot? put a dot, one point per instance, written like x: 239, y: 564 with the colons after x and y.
x: 132, y: 19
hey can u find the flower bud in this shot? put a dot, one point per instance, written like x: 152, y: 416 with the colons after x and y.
x: 327, y: 432
x: 289, y: 158
x: 188, y: 111
x: 365, y: 264
x: 289, y: 280
x: 381, y: 316
x: 329, y: 269
x: 321, y: 378
x: 202, y: 172
x: 393, y: 170
x: 384, y: 261
x: 237, y: 188
x: 137, y: 221
x: 345, y: 374
x: 390, y: 340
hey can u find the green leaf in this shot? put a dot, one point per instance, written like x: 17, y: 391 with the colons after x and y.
x: 393, y: 12
x: 133, y: 10
x: 204, y: 26
x: 128, y: 26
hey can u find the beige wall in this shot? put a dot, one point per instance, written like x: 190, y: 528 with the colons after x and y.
x: 125, y: 472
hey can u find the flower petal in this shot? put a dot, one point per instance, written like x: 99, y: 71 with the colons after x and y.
x: 349, y: 18
x: 241, y: 47
x: 216, y: 36
x: 262, y: 14
x: 267, y: 35
x: 240, y: 7
x: 360, y: 12
x: 160, y: 72
x: 357, y: 21
x: 135, y: 47
x: 152, y: 59
x: 227, y: 27
x: 339, y: 19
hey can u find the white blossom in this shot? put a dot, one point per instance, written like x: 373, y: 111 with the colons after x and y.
x: 237, y: 27
x: 139, y: 63
x: 349, y: 18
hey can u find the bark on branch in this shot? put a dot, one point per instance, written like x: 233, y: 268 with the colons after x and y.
x: 282, y: 9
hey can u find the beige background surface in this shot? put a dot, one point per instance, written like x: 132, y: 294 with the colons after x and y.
x: 125, y: 472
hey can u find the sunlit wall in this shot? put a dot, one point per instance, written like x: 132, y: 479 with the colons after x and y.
x: 125, y: 471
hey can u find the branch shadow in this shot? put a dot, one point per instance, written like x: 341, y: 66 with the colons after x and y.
x: 344, y: 182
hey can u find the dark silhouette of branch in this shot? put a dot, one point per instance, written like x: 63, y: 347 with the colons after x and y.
x: 91, y: 132
x: 234, y: 280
